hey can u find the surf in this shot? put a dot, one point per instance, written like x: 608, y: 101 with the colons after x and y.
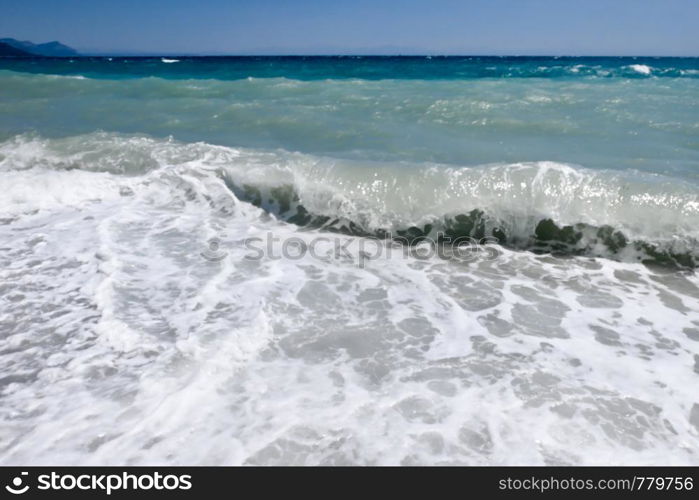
x: 541, y: 206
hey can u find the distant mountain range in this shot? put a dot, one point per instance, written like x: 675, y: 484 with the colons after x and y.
x: 17, y: 48
x: 8, y: 50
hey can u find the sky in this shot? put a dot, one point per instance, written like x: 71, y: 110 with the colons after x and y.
x: 497, y: 27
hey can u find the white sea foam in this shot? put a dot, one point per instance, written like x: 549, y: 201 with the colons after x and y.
x: 127, y: 346
x: 641, y: 68
x: 169, y: 61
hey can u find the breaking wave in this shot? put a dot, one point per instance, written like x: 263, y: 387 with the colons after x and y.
x: 538, y: 206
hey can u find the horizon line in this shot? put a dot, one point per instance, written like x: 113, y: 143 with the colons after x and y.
x: 425, y: 55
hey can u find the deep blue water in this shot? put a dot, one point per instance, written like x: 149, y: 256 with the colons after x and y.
x: 361, y: 67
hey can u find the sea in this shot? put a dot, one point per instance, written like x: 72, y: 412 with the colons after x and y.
x: 349, y: 261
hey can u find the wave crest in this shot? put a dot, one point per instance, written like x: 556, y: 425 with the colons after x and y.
x: 540, y: 206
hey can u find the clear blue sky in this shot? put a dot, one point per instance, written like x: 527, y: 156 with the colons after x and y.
x: 604, y: 27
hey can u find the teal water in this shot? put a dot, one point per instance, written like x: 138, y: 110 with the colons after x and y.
x: 611, y: 113
x: 137, y: 326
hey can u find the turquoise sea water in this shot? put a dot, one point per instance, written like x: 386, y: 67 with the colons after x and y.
x: 597, y: 112
x: 135, y: 326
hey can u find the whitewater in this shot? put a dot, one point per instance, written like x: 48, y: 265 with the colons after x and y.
x: 159, y: 303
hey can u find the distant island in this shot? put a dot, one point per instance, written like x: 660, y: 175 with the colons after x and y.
x: 9, y: 47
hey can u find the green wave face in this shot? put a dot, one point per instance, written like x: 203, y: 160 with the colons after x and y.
x: 539, y: 206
